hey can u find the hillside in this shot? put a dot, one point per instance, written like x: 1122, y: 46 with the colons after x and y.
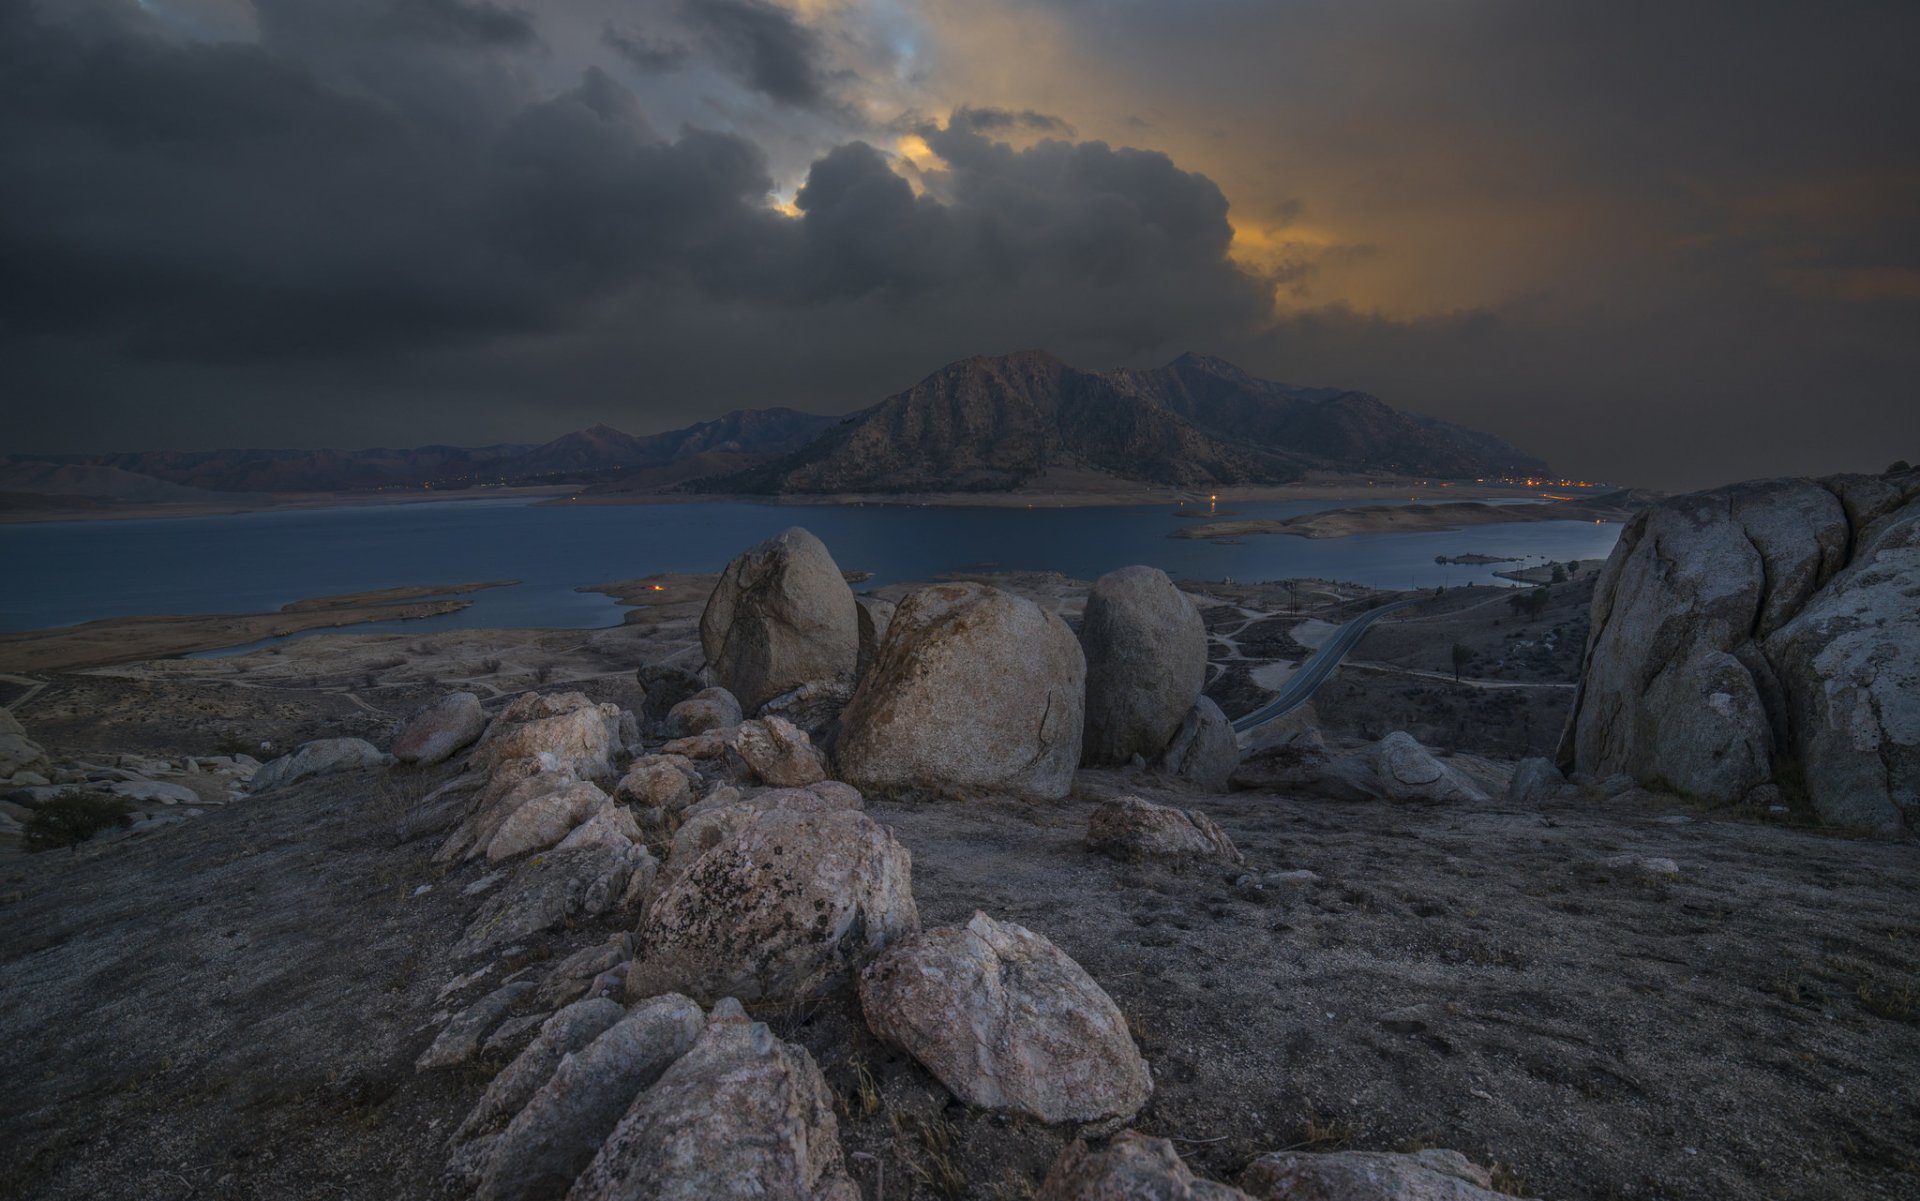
x: 993, y: 423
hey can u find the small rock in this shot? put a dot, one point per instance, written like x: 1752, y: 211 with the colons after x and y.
x: 1133, y: 1167
x: 434, y: 733
x: 1535, y: 780
x: 777, y: 752
x: 705, y: 712
x: 321, y: 757
x: 156, y: 793
x: 662, y: 782
x: 1204, y: 751
x: 1431, y: 1175
x: 1130, y: 828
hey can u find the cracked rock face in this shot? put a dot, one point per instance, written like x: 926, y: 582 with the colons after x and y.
x: 1007, y: 1021
x: 780, y: 616
x: 973, y: 688
x: 786, y: 900
x: 741, y: 1114
x: 1146, y: 653
x: 1762, y: 634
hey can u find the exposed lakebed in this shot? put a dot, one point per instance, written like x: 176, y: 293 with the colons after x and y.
x: 73, y: 572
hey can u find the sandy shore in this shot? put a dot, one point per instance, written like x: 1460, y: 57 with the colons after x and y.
x: 133, y: 639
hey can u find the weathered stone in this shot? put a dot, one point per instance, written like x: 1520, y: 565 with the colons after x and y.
x: 321, y: 757
x: 709, y: 711
x: 974, y: 688
x: 711, y: 821
x: 568, y: 979
x: 697, y: 747
x: 580, y: 735
x: 1130, y: 828
x: 1431, y: 1175
x: 663, y: 782
x: 1204, y: 751
x: 785, y: 901
x: 155, y: 792
x: 513, y: 784
x: 461, y: 1036
x: 564, y: 1123
x: 741, y: 1116
x: 1133, y: 1167
x: 434, y: 733
x: 611, y: 825
x: 871, y: 620
x: 544, y: 820
x: 775, y: 751
x: 1007, y: 1021
x: 1146, y: 650
x: 814, y: 706
x: 780, y: 615
x: 551, y: 888
x: 1407, y: 771
x: 562, y: 1034
x: 1535, y: 780
x: 1396, y: 768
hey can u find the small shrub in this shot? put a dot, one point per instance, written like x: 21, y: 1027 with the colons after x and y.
x: 543, y: 671
x: 490, y: 666
x: 69, y: 819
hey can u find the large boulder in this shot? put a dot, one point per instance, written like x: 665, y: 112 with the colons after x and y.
x: 740, y: 1115
x: 781, y: 615
x: 974, y: 688
x: 564, y: 1123
x: 706, y: 824
x: 1146, y: 653
x: 19, y: 753
x: 784, y: 902
x: 578, y: 734
x: 1130, y: 828
x: 321, y: 757
x: 439, y: 729
x: 1760, y: 635
x: 1007, y: 1021
x: 1133, y: 1167
x: 1430, y: 1175
x: 1204, y: 751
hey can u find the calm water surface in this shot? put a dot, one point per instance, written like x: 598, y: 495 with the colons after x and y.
x: 254, y: 562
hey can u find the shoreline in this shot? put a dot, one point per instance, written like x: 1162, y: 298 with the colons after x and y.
x: 1098, y: 492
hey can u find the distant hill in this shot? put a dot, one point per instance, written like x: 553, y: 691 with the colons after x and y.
x: 600, y: 454
x: 983, y: 424
x: 992, y: 423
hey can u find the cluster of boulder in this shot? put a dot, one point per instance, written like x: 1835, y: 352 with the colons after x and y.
x: 1761, y: 641
x: 965, y: 687
x: 156, y: 792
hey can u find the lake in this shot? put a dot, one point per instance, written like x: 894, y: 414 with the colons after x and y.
x: 69, y: 572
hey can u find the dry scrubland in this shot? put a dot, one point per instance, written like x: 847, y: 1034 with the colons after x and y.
x: 231, y: 1006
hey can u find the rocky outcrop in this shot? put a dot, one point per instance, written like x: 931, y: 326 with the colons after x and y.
x: 1130, y: 828
x: 740, y: 1115
x: 1431, y: 1175
x: 1007, y: 1021
x: 1762, y: 636
x: 560, y: 1035
x: 563, y: 1124
x: 434, y: 733
x: 873, y: 617
x: 1146, y: 651
x: 1204, y: 751
x: 579, y: 735
x: 780, y: 616
x: 784, y: 901
x: 974, y: 688
x: 1133, y: 1167
x: 545, y: 820
x: 550, y: 889
x: 321, y: 757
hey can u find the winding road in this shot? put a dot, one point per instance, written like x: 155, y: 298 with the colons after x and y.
x: 1302, y: 684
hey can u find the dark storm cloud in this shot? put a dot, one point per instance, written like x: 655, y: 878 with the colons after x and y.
x: 645, y: 51
x: 766, y: 46
x: 1002, y: 120
x: 330, y: 197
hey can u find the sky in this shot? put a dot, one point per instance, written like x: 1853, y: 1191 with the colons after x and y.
x: 1666, y: 245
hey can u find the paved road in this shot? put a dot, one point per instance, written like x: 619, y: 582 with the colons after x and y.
x: 1302, y: 684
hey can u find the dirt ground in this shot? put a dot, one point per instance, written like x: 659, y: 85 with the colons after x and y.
x: 231, y: 1007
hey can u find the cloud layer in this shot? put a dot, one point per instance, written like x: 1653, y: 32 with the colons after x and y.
x: 363, y: 221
